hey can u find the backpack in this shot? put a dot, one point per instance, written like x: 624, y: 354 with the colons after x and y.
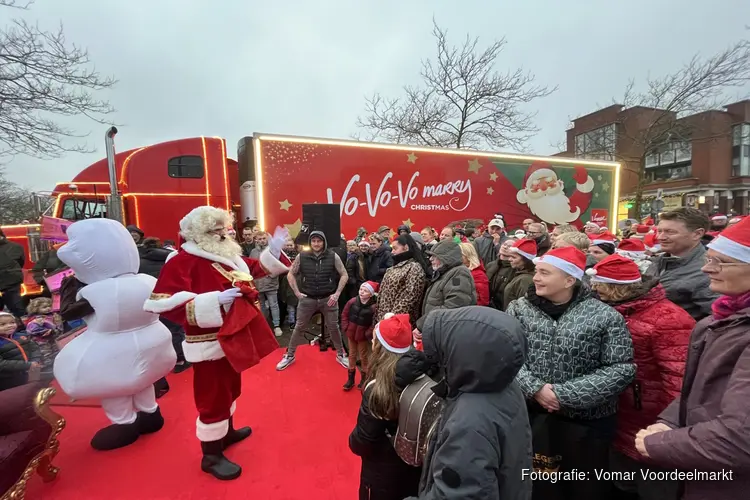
x: 418, y: 415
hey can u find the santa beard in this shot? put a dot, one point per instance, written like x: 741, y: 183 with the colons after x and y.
x: 553, y: 209
x: 213, y: 244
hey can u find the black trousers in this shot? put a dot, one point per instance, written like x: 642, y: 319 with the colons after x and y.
x: 582, y: 446
x: 12, y: 299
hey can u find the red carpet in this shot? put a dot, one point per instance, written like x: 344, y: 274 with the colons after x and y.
x: 301, y: 421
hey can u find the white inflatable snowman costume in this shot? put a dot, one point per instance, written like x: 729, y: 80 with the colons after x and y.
x: 124, y: 349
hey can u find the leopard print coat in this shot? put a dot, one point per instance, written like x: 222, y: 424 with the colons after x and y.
x: 402, y: 290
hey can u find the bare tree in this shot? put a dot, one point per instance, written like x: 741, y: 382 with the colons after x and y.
x: 16, y: 204
x: 665, y: 112
x: 44, y: 80
x: 463, y: 102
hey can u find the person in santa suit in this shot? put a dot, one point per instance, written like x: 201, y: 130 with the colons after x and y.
x: 208, y: 288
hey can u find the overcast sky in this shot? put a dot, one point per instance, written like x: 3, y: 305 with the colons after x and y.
x: 232, y: 67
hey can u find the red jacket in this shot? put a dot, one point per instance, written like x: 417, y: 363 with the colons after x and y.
x: 661, y: 334
x: 482, y: 284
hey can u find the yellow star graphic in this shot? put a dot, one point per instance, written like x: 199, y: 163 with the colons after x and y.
x: 605, y: 187
x: 285, y: 205
x: 407, y: 222
x: 493, y: 176
x: 411, y: 158
x: 294, y: 228
x: 490, y: 190
x: 474, y: 166
x: 392, y: 234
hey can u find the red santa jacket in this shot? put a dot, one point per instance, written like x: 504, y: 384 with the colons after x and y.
x: 482, y: 284
x: 661, y: 334
x: 187, y: 292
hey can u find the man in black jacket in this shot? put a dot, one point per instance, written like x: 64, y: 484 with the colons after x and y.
x: 11, y: 275
x: 317, y: 277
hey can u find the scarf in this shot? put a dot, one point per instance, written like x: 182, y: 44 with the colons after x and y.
x: 727, y: 305
x: 402, y: 257
x: 554, y: 311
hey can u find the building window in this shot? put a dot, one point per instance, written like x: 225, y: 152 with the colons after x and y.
x: 185, y: 167
x: 597, y: 144
x: 669, y: 173
x: 741, y: 150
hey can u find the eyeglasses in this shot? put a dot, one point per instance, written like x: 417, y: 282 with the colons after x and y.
x: 712, y: 263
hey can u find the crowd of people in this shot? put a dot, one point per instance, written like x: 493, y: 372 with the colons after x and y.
x: 574, y: 363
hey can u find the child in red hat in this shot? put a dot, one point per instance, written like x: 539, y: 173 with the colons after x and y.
x: 357, y: 322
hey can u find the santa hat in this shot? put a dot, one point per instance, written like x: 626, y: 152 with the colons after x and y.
x: 616, y: 270
x: 633, y: 247
x: 570, y: 260
x: 525, y: 248
x: 394, y: 333
x: 604, y: 237
x: 642, y: 229
x: 734, y: 241
x: 371, y: 286
x: 650, y: 240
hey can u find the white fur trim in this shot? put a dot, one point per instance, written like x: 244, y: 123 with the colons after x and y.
x: 211, y: 432
x: 159, y: 306
x: 235, y: 262
x: 521, y: 197
x: 730, y: 248
x: 273, y: 265
x: 172, y: 254
x: 562, y: 265
x: 631, y: 255
x: 599, y: 242
x: 208, y: 310
x: 388, y: 347
x: 522, y: 254
x: 195, y: 352
x: 600, y: 279
x: 233, y: 408
x: 388, y: 315
x: 369, y: 288
x: 587, y: 186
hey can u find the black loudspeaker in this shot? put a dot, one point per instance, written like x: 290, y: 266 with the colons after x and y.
x: 321, y: 217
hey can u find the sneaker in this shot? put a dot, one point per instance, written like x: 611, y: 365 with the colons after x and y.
x: 342, y: 359
x: 285, y: 362
x: 277, y: 331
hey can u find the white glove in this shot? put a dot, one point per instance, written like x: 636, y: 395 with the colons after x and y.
x: 227, y: 296
x: 280, y: 235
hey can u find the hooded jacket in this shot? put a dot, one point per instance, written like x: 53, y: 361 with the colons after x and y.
x: 452, y: 286
x: 483, y: 440
x: 318, y: 276
x: 11, y: 263
x: 152, y: 260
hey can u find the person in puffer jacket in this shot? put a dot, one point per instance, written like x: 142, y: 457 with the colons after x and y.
x: 357, y: 323
x: 580, y: 359
x: 451, y: 285
x: 661, y: 334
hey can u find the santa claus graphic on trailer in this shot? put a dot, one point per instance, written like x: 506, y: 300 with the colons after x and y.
x: 208, y: 287
x: 544, y: 193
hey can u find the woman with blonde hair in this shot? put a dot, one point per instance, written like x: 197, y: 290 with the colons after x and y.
x: 384, y: 476
x: 481, y: 282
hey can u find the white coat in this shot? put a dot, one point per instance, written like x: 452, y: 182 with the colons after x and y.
x: 124, y: 349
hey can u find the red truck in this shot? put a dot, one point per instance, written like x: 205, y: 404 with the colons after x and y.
x: 375, y: 184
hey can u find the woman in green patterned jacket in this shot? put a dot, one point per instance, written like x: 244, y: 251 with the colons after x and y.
x: 579, y: 360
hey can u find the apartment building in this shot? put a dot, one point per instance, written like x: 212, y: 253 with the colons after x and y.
x: 701, y: 160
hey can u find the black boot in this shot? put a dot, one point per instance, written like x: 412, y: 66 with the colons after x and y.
x: 361, y: 384
x: 236, y: 435
x: 350, y: 381
x: 115, y: 436
x: 215, y: 463
x: 149, y: 422
x: 181, y: 366
x: 161, y: 387
x: 322, y: 344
